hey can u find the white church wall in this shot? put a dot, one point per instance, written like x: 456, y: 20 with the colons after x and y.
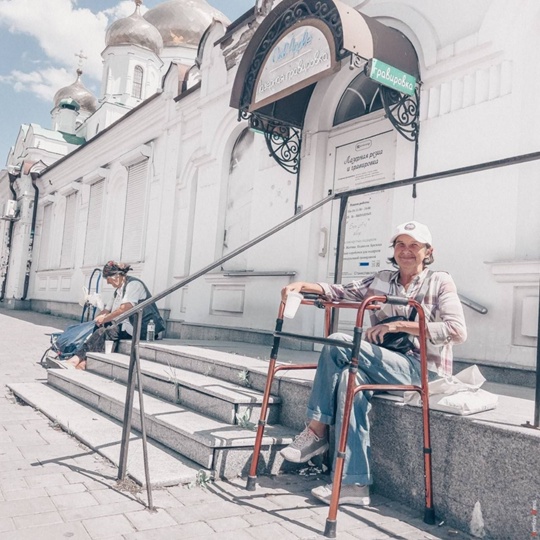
x: 478, y: 104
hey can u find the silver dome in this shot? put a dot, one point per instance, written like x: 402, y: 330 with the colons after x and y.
x: 183, y: 22
x: 79, y: 93
x: 134, y: 30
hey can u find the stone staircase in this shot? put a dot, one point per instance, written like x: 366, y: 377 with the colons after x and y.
x: 200, y: 399
x: 201, y: 409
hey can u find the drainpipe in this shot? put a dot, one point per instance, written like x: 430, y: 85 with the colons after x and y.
x: 34, y: 177
x: 12, y: 179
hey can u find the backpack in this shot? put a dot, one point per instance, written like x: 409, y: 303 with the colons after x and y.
x: 65, y: 344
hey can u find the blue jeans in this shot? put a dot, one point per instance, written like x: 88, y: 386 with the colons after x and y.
x: 375, y: 366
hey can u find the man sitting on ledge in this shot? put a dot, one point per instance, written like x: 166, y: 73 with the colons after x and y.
x: 436, y: 292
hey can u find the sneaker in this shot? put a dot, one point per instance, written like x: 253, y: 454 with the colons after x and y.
x: 305, y: 446
x: 354, y: 494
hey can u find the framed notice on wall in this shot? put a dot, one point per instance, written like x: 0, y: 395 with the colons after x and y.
x: 365, y: 162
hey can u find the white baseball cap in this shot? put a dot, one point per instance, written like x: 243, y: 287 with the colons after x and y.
x: 415, y: 230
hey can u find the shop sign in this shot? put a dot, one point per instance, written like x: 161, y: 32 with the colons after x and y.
x: 392, y: 77
x: 295, y: 59
x: 365, y: 162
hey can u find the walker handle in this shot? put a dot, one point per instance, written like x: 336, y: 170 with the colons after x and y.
x: 397, y: 300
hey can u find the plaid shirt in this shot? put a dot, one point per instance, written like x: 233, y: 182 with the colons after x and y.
x: 444, y: 314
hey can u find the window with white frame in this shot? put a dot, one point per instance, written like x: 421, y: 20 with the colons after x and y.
x: 132, y: 236
x: 138, y: 73
x: 94, y: 241
x: 44, y: 245
x: 68, y: 235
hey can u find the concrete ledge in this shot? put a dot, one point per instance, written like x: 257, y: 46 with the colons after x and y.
x: 499, y: 374
x: 200, y: 331
x: 484, y: 460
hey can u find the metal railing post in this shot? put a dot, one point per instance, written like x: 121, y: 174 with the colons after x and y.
x: 135, y: 370
x: 536, y: 421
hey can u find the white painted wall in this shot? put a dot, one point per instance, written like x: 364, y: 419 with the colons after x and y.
x: 478, y: 103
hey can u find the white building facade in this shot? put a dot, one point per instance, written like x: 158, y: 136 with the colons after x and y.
x: 169, y: 180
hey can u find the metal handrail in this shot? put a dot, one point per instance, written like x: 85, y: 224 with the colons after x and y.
x: 343, y: 197
x: 472, y: 304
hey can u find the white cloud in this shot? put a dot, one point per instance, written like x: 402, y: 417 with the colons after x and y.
x: 44, y: 84
x: 124, y: 9
x: 60, y: 28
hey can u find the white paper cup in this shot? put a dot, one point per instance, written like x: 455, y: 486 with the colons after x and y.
x: 292, y: 304
x: 109, y: 345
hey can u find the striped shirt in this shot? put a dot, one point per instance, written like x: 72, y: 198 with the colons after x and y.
x: 444, y: 314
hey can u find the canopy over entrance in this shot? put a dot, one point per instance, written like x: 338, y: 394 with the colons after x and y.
x: 303, y: 41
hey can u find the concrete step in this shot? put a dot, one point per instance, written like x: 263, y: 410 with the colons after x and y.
x: 249, y: 366
x: 220, y: 447
x: 237, y: 369
x: 103, y: 434
x: 223, y: 400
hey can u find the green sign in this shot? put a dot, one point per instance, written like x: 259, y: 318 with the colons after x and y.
x: 391, y: 77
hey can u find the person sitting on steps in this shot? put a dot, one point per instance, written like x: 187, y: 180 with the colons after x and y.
x: 436, y: 292
x: 129, y: 291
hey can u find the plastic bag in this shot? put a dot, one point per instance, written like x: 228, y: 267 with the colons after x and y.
x: 458, y: 394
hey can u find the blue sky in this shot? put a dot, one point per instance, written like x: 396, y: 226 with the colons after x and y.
x: 39, y: 40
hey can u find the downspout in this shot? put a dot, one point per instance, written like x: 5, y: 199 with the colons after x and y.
x: 12, y: 179
x: 34, y: 177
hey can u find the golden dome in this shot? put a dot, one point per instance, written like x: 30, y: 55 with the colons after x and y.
x: 183, y: 22
x: 134, y: 30
x: 79, y: 93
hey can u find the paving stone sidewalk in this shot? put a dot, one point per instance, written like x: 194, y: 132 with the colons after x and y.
x: 52, y: 487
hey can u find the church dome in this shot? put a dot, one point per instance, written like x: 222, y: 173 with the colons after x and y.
x: 134, y: 30
x: 183, y: 22
x: 76, y: 92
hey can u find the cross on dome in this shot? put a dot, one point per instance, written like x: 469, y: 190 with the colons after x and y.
x: 82, y: 58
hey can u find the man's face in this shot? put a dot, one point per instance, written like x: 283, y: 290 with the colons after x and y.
x: 409, y: 253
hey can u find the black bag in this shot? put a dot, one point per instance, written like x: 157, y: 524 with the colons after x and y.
x: 401, y: 342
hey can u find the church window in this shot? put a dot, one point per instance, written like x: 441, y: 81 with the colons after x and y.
x: 137, y: 82
x: 68, y: 236
x: 132, y: 238
x: 94, y: 240
x: 361, y: 97
x: 45, y: 237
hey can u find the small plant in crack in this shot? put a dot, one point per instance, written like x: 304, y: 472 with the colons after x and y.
x: 243, y: 420
x: 202, y: 480
x: 172, y: 375
x: 243, y: 376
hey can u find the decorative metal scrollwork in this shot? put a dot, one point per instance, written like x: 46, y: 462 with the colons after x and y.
x: 403, y: 111
x: 284, y: 142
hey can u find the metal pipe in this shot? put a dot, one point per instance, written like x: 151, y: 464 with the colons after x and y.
x: 516, y: 160
x: 472, y: 304
x: 12, y: 179
x: 34, y: 176
x: 338, y: 265
x: 128, y: 410
x: 219, y: 262
x: 536, y: 421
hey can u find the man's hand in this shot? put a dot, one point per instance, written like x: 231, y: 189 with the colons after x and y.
x: 100, y: 319
x: 300, y: 287
x: 376, y: 334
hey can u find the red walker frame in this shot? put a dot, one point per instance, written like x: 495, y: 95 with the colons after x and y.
x: 370, y: 303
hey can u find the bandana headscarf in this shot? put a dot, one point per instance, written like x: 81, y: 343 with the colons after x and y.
x: 113, y: 268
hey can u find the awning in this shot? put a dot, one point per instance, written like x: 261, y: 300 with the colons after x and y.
x: 303, y: 41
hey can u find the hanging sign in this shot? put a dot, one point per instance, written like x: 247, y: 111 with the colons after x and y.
x: 296, y: 60
x: 392, y: 77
